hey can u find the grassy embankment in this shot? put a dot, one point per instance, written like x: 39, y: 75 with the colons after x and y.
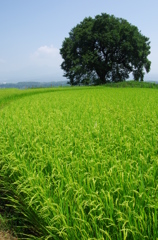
x: 81, y: 163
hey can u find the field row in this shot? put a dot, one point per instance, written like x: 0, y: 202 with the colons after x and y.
x: 82, y: 164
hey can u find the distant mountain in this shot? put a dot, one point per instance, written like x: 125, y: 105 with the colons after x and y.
x: 34, y: 84
x: 24, y: 85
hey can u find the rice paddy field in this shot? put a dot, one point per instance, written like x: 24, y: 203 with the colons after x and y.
x: 80, y: 163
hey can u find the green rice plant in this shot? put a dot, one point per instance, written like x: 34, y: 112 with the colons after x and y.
x: 81, y: 163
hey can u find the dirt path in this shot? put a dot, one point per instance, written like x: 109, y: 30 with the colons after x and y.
x: 6, y: 236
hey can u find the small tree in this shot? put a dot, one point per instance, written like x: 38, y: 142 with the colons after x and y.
x: 104, y: 49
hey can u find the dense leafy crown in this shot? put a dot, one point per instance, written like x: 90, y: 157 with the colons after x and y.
x: 104, y: 49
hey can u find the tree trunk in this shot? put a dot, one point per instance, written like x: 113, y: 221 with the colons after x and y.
x: 101, y: 76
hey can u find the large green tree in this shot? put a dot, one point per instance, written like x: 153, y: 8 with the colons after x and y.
x: 104, y: 49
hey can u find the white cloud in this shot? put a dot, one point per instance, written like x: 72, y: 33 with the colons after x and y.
x: 46, y: 51
x: 46, y: 60
x: 46, y: 55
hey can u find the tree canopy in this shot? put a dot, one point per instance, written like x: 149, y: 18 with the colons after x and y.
x: 104, y: 49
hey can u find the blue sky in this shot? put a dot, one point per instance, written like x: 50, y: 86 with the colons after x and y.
x: 32, y: 32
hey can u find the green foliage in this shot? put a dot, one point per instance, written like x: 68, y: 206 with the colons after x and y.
x: 78, y: 163
x: 104, y: 49
x: 132, y: 84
